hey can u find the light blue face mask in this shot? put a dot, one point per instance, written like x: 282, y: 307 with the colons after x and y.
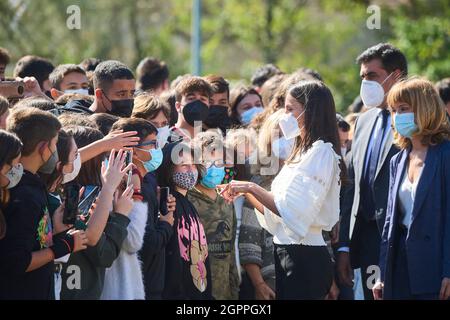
x: 155, y: 161
x: 214, y: 176
x: 404, y: 124
x: 250, y: 114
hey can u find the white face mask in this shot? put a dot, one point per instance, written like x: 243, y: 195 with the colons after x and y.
x: 282, y: 148
x: 79, y: 91
x: 163, y: 135
x: 372, y: 93
x: 289, y: 125
x: 67, y: 177
x: 14, y: 175
x: 343, y: 151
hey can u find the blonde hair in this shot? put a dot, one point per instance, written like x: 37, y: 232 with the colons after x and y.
x: 429, y: 111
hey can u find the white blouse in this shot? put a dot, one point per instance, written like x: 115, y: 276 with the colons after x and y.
x: 406, y: 196
x: 306, y: 194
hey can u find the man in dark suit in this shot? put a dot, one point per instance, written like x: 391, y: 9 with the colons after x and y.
x: 364, y: 202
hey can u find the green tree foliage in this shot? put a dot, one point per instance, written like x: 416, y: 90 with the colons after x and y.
x: 238, y: 35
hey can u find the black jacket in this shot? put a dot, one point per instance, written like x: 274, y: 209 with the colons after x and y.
x: 188, y: 274
x: 29, y: 229
x: 157, y: 235
x: 93, y: 262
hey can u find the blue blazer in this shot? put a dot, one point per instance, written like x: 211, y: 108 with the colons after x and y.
x: 428, y: 238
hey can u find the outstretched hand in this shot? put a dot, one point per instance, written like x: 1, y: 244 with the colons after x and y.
x: 233, y: 190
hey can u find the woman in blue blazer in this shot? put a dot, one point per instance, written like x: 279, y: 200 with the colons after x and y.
x: 415, y: 247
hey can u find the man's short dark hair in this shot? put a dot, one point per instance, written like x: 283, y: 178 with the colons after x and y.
x: 104, y: 121
x: 143, y: 127
x: 33, y: 66
x: 5, y: 57
x: 151, y: 73
x: 108, y: 71
x: 58, y: 74
x: 264, y: 73
x: 89, y: 64
x: 218, y: 84
x: 32, y: 126
x: 38, y: 103
x: 391, y: 58
x: 443, y: 87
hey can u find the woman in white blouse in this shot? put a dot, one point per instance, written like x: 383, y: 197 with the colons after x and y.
x: 304, y: 197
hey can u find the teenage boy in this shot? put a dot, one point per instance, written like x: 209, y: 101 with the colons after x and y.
x: 68, y: 78
x: 32, y: 239
x: 192, y: 105
x: 114, y: 87
x: 219, y: 104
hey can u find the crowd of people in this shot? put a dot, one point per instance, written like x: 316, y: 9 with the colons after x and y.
x: 125, y: 186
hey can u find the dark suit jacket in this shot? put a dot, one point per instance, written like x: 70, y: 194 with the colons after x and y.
x: 350, y: 202
x: 428, y: 239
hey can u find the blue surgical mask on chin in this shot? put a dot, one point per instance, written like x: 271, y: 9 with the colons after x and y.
x: 250, y: 114
x: 404, y: 124
x: 214, y: 176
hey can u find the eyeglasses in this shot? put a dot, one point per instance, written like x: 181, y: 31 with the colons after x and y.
x: 148, y: 143
x: 216, y: 163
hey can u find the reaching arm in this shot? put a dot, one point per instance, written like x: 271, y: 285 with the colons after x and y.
x: 114, y: 140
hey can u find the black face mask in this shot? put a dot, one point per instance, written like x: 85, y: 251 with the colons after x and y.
x: 218, y: 117
x: 195, y: 111
x: 121, y: 108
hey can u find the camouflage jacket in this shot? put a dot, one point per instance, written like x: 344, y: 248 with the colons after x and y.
x: 219, y: 220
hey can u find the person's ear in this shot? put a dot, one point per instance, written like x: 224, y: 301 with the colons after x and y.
x: 98, y: 94
x: 41, y: 147
x: 55, y: 93
x: 178, y: 106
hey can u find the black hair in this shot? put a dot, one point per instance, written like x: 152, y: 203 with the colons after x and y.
x: 264, y: 73
x: 33, y: 66
x: 143, y: 127
x: 89, y: 64
x: 104, y: 121
x: 10, y: 148
x: 63, y: 146
x: 151, y: 73
x: 391, y: 57
x: 108, y: 71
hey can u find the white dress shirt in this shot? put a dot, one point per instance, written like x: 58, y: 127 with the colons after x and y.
x: 306, y: 194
